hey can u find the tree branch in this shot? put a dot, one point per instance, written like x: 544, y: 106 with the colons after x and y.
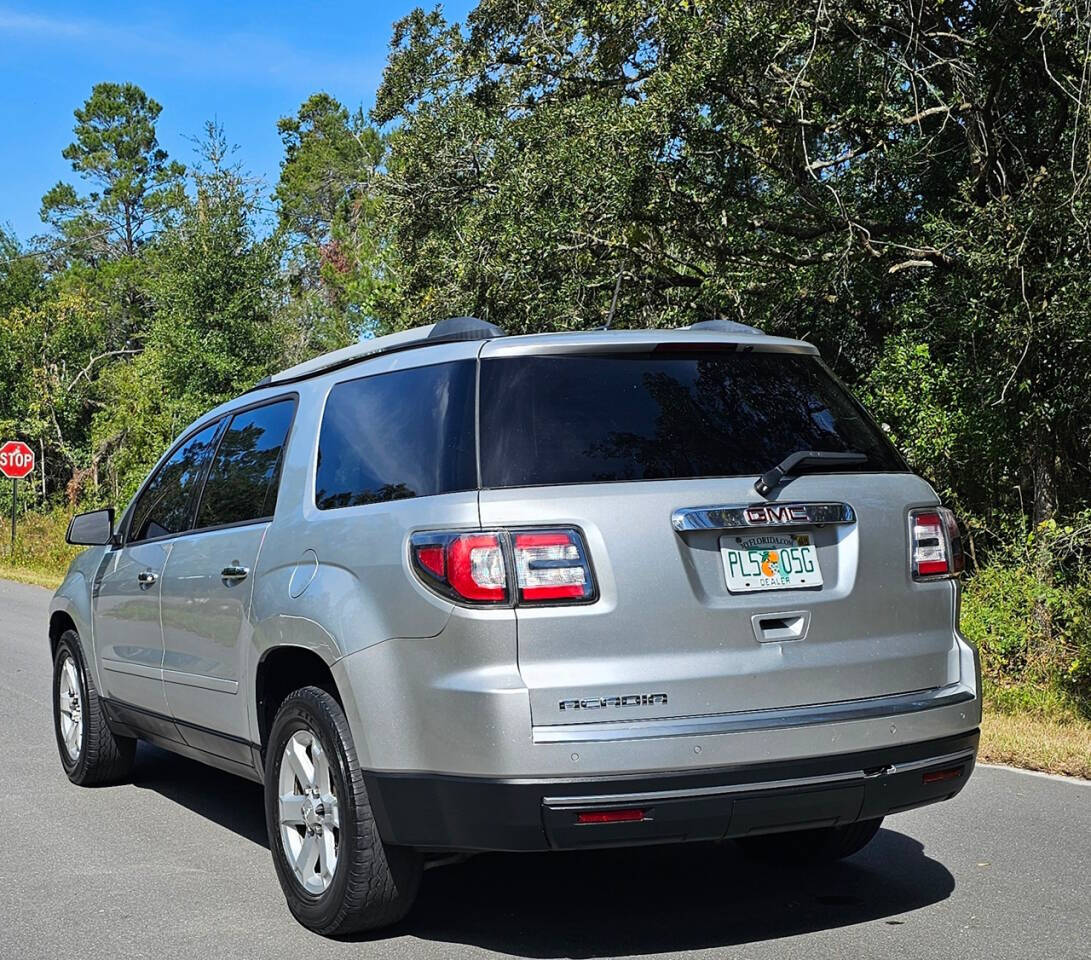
x: 86, y: 371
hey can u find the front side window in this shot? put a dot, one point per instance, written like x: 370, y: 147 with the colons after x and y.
x: 166, y: 505
x: 664, y: 415
x: 393, y: 436
x: 245, y: 474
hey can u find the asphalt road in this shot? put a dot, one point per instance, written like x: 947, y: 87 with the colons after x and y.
x: 175, y: 864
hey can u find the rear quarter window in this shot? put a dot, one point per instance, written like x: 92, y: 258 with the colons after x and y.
x: 398, y: 435
x: 664, y: 415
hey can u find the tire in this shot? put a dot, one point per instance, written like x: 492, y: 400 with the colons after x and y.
x: 820, y: 845
x: 371, y: 884
x: 91, y: 753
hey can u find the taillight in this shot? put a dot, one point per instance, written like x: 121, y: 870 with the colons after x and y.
x: 462, y: 566
x: 935, y: 545
x: 550, y: 566
x: 954, y: 540
x: 476, y: 569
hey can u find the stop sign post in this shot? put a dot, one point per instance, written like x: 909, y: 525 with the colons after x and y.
x: 16, y: 461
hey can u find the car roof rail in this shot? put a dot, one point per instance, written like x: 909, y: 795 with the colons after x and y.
x: 451, y: 330
x: 464, y: 328
x: 721, y: 325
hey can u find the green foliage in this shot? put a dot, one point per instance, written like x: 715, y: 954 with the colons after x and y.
x: 329, y: 211
x: 116, y: 150
x: 872, y: 175
x: 21, y: 283
x: 216, y: 326
x: 1029, y: 613
x: 215, y: 286
x: 21, y: 276
x: 924, y: 406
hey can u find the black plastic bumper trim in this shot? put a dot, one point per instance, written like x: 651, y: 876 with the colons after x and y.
x: 445, y: 812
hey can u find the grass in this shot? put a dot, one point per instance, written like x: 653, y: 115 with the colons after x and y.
x: 41, y: 556
x: 1036, y: 743
x: 42, y: 578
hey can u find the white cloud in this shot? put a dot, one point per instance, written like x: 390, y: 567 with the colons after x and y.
x: 234, y: 55
x: 13, y: 22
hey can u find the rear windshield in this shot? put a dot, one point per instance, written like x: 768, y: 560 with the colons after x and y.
x: 664, y: 416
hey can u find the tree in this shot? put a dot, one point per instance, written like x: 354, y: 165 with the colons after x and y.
x: 217, y: 324
x: 21, y: 279
x: 328, y: 209
x: 870, y: 174
x: 50, y: 354
x: 134, y: 183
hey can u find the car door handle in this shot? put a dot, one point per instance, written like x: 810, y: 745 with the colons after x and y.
x: 146, y: 578
x: 235, y: 573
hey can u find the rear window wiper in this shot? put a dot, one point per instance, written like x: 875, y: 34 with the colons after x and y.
x: 804, y: 458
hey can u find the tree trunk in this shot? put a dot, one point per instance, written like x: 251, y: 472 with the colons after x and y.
x: 1043, y: 467
x: 130, y: 240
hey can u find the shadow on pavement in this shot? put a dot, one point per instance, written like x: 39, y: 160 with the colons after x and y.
x: 604, y: 903
x: 223, y: 798
x: 651, y: 900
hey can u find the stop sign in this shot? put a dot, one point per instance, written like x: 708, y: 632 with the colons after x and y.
x: 16, y: 459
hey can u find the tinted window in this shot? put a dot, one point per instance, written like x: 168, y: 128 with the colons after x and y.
x: 243, y: 480
x: 166, y: 505
x: 581, y: 419
x: 397, y: 435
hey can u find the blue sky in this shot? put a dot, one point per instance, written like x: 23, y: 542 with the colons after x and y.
x: 245, y: 64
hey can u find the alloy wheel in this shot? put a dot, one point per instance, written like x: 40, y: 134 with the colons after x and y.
x: 310, y: 825
x: 71, y: 710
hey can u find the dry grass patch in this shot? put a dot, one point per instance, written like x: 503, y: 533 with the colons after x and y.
x: 1024, y: 740
x: 39, y: 578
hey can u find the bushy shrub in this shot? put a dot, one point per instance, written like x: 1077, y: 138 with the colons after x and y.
x: 1029, y: 612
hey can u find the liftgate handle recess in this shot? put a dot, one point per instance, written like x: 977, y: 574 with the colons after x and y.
x: 16, y: 461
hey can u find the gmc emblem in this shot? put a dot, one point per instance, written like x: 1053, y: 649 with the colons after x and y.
x: 790, y: 513
x: 743, y: 516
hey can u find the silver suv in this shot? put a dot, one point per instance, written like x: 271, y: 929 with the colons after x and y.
x: 450, y: 591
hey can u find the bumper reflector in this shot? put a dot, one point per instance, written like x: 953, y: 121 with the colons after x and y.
x: 610, y: 816
x: 939, y: 776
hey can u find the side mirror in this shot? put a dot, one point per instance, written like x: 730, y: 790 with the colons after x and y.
x: 94, y: 529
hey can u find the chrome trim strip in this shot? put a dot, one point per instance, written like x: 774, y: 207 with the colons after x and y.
x: 738, y: 516
x: 803, y: 716
x: 852, y: 776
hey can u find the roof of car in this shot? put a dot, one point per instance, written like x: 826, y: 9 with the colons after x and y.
x: 469, y: 328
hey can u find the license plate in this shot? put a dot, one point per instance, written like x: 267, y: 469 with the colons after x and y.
x: 775, y: 562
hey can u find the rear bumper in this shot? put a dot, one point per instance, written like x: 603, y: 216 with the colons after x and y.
x: 435, y: 811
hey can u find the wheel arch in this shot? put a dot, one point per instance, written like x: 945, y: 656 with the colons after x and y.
x: 70, y: 609
x: 59, y: 622
x: 280, y: 670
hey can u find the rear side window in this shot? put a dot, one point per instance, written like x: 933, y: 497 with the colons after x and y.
x: 596, y: 418
x: 392, y: 436
x: 166, y: 505
x: 245, y: 474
